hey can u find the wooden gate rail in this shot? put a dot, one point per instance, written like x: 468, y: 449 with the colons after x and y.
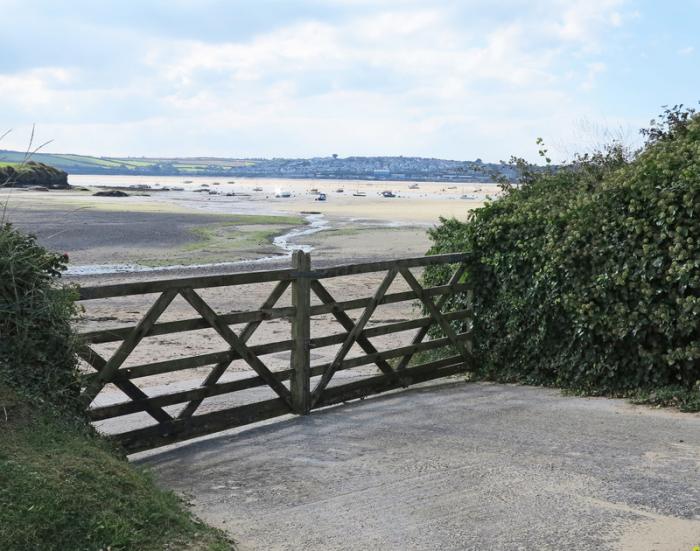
x: 394, y: 365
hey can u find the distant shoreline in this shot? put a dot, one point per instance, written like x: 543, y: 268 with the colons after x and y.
x: 380, y: 169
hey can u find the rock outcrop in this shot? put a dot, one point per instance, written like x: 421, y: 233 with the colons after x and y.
x: 32, y: 174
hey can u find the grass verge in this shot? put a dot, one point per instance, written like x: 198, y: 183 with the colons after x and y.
x: 62, y: 487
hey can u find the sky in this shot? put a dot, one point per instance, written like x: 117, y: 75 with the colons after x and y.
x: 282, y: 78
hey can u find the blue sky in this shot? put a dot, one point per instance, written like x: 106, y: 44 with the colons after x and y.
x: 451, y: 79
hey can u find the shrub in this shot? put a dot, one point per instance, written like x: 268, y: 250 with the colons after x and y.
x: 37, y: 343
x: 587, y: 276
x: 62, y: 488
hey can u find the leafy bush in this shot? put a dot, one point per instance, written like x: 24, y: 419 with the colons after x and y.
x: 62, y: 488
x: 37, y: 343
x: 587, y: 276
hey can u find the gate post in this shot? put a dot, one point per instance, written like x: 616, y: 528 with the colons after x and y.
x: 300, y: 384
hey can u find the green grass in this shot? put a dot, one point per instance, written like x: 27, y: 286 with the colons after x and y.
x: 130, y: 162
x: 63, y: 488
x: 229, y: 237
x: 669, y: 396
x: 60, y: 161
x: 242, y: 237
x: 251, y: 219
x: 82, y: 163
x: 98, y: 161
x: 357, y: 230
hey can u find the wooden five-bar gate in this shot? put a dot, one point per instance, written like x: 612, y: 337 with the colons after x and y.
x: 301, y: 386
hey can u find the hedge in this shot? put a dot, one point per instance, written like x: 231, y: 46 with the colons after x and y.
x: 587, y: 276
x: 37, y: 342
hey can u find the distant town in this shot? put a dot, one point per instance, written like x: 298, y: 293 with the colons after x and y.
x: 332, y: 167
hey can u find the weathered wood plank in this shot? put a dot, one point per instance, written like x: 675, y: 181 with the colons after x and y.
x: 286, y: 312
x: 301, y: 335
x: 177, y: 430
x: 161, y: 285
x: 396, y: 352
x: 192, y: 362
x: 379, y: 384
x: 352, y: 335
x: 390, y: 298
x: 454, y: 280
x: 386, y: 265
x: 189, y: 425
x: 435, y: 313
x: 225, y: 331
x: 163, y: 400
x: 348, y: 324
x: 221, y: 367
x: 158, y: 286
x: 104, y: 376
x: 126, y: 386
x: 192, y: 324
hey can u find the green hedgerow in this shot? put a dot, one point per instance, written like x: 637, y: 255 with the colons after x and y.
x: 587, y: 276
x: 37, y: 343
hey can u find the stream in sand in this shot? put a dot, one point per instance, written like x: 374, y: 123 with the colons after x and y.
x: 315, y: 224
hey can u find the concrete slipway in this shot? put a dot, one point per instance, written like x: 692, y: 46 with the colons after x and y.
x: 449, y: 466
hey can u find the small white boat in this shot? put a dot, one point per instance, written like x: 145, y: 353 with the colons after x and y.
x: 468, y: 197
x: 359, y: 194
x: 283, y: 193
x: 257, y: 188
x: 413, y: 186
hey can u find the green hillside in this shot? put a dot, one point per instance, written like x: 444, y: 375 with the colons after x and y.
x: 86, y: 164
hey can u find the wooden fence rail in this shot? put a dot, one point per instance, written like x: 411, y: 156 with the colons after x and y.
x: 301, y: 387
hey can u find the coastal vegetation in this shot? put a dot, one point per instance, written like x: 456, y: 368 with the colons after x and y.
x: 241, y: 237
x: 62, y: 486
x: 587, y: 276
x: 32, y: 173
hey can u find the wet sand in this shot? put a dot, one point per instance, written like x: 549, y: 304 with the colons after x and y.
x: 161, y: 228
x: 167, y: 227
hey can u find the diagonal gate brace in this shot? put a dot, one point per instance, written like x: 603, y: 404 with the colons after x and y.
x: 236, y: 344
x: 454, y: 281
x: 143, y: 327
x: 245, y: 335
x: 436, y: 314
x: 353, y: 335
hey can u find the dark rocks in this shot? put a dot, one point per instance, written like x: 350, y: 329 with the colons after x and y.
x: 111, y: 193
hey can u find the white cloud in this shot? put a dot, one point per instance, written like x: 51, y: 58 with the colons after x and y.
x: 36, y: 87
x: 392, y: 77
x: 594, y: 69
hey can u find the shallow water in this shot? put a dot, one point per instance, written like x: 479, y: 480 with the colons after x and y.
x: 316, y: 223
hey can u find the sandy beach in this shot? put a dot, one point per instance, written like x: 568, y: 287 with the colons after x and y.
x: 168, y: 222
x: 231, y: 227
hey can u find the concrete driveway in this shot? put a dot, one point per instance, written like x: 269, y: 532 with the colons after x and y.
x: 452, y: 466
